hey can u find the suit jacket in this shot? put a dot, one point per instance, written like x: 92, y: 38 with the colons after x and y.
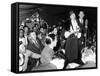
x: 82, y: 27
x: 34, y: 48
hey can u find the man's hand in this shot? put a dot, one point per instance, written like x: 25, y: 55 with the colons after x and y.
x: 35, y: 55
x: 85, y: 35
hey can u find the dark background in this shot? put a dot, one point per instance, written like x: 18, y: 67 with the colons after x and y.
x: 54, y: 14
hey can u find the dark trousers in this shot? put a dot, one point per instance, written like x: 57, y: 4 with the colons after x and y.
x: 31, y: 63
x: 71, y: 49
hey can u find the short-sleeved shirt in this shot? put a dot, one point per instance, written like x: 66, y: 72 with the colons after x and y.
x: 46, y: 55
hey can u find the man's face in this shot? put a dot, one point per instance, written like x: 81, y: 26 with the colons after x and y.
x: 21, y: 33
x: 72, y: 16
x: 35, y: 28
x: 42, y: 30
x: 26, y: 29
x: 81, y: 14
x: 40, y: 36
x: 55, y: 42
x: 33, y: 35
x: 55, y: 30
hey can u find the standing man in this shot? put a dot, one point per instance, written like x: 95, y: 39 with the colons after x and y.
x: 82, y: 26
x: 71, y: 44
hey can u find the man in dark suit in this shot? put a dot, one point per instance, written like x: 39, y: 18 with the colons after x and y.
x: 82, y: 24
x: 33, y: 52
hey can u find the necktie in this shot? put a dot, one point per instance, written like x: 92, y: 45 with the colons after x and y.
x: 36, y: 43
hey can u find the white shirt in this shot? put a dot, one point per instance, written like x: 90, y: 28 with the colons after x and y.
x: 81, y: 21
x: 74, y: 25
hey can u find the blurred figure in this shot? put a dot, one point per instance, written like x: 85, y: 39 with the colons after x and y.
x: 35, y: 28
x: 21, y: 49
x: 41, y: 37
x: 81, y: 17
x: 88, y: 58
x: 35, y: 17
x: 33, y: 51
x: 20, y: 26
x: 59, y: 59
x: 21, y: 40
x: 26, y: 30
x: 47, y: 54
x: 26, y: 33
x: 55, y: 31
x: 71, y: 44
x: 83, y: 27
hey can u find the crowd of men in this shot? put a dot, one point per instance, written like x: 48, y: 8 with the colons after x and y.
x: 65, y: 46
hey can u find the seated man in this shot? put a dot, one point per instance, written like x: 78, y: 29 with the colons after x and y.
x: 47, y: 54
x: 33, y: 52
